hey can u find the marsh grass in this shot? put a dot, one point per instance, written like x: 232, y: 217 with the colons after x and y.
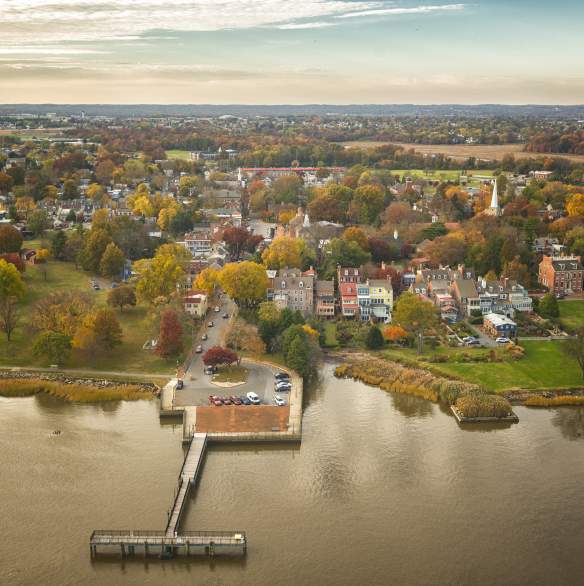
x: 74, y: 393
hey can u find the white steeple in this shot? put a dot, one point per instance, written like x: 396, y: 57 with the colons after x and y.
x: 495, y: 197
x: 306, y: 222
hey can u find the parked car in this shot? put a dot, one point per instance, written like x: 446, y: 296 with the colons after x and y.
x: 225, y: 316
x: 468, y: 338
x: 114, y: 285
x: 210, y: 369
x: 279, y: 401
x: 281, y: 375
x: 283, y: 387
x: 204, y: 337
x: 210, y: 324
x: 235, y: 400
x: 216, y: 310
x: 179, y: 384
x: 473, y: 343
x: 215, y: 400
x: 199, y: 349
x: 503, y: 340
x: 96, y: 287
x: 226, y: 401
x: 245, y: 401
x: 255, y: 400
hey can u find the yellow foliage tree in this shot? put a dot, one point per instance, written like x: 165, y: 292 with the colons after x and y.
x: 246, y: 282
x: 575, y: 205
x: 207, y: 280
x: 284, y: 252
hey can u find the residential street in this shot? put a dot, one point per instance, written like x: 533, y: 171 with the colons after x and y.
x: 197, y: 384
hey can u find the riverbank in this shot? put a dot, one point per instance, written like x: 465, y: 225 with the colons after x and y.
x: 470, y: 400
x: 85, y: 390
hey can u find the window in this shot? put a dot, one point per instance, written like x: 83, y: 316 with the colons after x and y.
x: 301, y: 284
x: 283, y: 284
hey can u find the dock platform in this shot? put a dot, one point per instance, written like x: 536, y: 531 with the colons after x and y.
x: 172, y: 542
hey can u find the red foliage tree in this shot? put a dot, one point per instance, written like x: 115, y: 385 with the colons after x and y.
x: 219, y: 355
x: 15, y: 259
x: 171, y: 333
x: 235, y: 238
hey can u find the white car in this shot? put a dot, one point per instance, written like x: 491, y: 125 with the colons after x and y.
x: 503, y: 340
x: 282, y: 387
x: 279, y: 401
x: 255, y: 400
x: 216, y: 310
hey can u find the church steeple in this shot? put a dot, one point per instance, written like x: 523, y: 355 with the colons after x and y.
x: 495, y: 197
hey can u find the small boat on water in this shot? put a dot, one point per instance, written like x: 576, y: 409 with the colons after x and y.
x: 55, y: 433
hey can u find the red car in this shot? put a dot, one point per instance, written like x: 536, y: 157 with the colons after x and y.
x: 215, y: 400
x: 236, y: 400
x: 227, y: 401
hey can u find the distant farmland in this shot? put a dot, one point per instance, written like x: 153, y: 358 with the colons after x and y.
x: 461, y: 152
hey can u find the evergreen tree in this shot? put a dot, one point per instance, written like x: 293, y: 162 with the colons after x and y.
x: 374, y: 339
x: 548, y: 306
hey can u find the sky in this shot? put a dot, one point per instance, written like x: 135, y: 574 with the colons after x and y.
x: 291, y: 51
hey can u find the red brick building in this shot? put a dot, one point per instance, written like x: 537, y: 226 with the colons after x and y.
x: 561, y: 274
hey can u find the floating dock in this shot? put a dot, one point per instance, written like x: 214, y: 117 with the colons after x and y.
x: 169, y: 543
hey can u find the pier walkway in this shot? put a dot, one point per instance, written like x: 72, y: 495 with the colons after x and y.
x: 171, y: 541
x: 186, y: 479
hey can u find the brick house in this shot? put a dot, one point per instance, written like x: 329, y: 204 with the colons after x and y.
x: 561, y: 274
x: 325, y: 298
x: 349, y: 275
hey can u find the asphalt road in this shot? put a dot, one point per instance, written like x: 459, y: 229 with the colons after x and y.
x: 197, y: 384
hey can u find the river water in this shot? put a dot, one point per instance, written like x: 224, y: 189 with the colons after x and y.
x: 385, y: 489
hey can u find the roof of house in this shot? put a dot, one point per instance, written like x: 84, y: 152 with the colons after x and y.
x: 381, y: 283
x: 348, y: 289
x: 499, y: 320
x: 466, y: 288
x: 325, y: 287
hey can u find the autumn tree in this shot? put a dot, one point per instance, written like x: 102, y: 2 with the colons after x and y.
x: 287, y: 188
x: 357, y: 235
x: 367, y: 203
x: 74, y: 246
x: 95, y: 245
x: 207, y: 280
x: 246, y: 282
x: 327, y: 208
x: 112, y: 262
x: 170, y: 337
x: 235, y: 239
x: 285, y: 252
x: 12, y: 289
x: 217, y: 355
x: 61, y: 312
x: 415, y: 315
x: 122, y: 296
x: 574, y: 347
x: 160, y: 276
x: 446, y: 250
x: 99, y: 331
x: 575, y: 205
x: 394, y: 333
x: 10, y: 239
x: 244, y: 336
x: 517, y: 271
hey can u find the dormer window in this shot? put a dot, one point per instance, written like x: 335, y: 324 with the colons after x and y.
x: 301, y: 285
x: 283, y: 284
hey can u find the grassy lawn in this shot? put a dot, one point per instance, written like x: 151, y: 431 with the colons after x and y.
x: 572, y: 314
x: 55, y: 276
x: 544, y: 366
x: 177, y: 154
x: 330, y: 334
x: 231, y: 374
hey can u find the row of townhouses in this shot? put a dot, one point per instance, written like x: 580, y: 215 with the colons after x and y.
x: 458, y: 292
x: 356, y: 297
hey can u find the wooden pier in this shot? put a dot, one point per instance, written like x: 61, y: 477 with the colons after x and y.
x: 170, y: 542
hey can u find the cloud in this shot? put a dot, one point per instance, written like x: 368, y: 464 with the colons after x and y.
x: 304, y: 25
x: 48, y: 50
x: 398, y: 11
x: 44, y: 21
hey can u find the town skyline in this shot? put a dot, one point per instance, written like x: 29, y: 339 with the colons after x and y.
x: 267, y: 52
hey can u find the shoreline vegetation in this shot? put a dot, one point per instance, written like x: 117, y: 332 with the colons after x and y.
x: 85, y: 391
x: 470, y: 399
x: 558, y: 401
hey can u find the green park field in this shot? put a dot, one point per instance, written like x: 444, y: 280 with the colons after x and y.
x: 572, y: 314
x: 43, y: 279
